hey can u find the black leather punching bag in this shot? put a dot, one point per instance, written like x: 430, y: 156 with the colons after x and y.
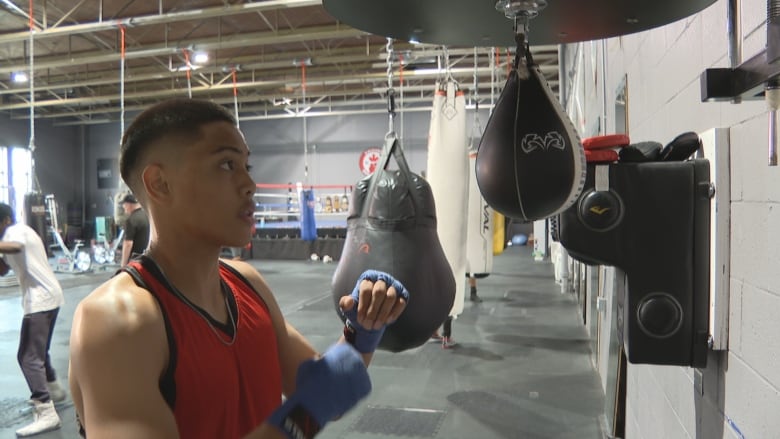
x: 531, y: 164
x: 391, y: 227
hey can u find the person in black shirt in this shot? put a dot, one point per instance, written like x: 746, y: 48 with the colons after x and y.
x: 136, y: 229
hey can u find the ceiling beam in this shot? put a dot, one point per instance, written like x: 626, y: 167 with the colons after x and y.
x: 163, y: 49
x: 280, y: 61
x: 163, y: 18
x: 311, y: 82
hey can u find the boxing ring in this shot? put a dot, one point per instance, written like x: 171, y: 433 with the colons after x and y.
x: 287, y: 227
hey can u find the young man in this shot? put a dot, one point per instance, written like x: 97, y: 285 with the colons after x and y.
x: 136, y: 227
x: 181, y: 344
x: 24, y: 252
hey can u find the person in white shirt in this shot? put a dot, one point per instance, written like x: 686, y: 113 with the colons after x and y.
x: 23, y: 251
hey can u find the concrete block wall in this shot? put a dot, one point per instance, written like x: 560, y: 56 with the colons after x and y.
x: 738, y: 394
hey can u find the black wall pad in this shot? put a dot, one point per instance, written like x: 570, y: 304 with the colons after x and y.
x: 652, y: 220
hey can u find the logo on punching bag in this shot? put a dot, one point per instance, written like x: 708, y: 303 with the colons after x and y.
x: 532, y: 142
x: 364, y: 248
x: 598, y: 210
x: 485, y: 217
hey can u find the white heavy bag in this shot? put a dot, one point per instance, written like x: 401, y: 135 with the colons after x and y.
x: 447, y: 173
x: 479, y: 242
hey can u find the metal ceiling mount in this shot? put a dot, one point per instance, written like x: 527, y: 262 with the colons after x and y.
x: 514, y: 9
x: 521, y: 12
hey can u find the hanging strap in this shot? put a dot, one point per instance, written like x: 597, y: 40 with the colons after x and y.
x: 476, y: 128
x: 235, y: 95
x: 393, y: 147
x: 31, y: 80
x: 188, y: 66
x: 523, y: 50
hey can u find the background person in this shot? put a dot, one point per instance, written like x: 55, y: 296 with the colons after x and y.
x: 24, y: 252
x: 136, y: 229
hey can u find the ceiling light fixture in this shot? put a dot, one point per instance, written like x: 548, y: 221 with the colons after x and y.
x: 19, y: 77
x: 200, y: 57
x: 302, y: 62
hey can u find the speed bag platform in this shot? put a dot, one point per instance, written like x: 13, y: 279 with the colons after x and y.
x: 651, y: 220
x: 391, y: 227
x: 531, y: 164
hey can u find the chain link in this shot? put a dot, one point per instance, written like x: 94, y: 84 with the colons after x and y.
x: 389, y: 49
x: 390, y: 91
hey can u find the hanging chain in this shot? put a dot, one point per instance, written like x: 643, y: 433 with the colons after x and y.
x: 31, y: 80
x: 390, y: 90
x: 35, y: 184
x: 122, y: 67
x: 389, y: 60
x: 447, y: 71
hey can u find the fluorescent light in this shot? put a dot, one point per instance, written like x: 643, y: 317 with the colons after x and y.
x: 425, y: 72
x: 19, y: 77
x: 185, y: 67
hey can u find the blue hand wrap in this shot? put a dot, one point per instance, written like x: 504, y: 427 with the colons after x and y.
x: 366, y: 340
x: 325, y: 389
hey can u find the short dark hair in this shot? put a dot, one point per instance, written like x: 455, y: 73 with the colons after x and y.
x: 129, y: 198
x: 7, y: 211
x: 171, y: 117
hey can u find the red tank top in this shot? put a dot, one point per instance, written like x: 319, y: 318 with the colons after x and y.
x: 215, y: 390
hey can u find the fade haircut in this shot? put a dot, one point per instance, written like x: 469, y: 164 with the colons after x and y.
x: 7, y: 211
x: 175, y: 117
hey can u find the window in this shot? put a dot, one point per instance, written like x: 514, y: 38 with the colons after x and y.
x: 5, y: 190
x: 21, y: 178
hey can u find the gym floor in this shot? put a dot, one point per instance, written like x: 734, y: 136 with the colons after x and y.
x: 521, y: 368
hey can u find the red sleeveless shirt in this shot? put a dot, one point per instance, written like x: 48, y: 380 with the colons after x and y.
x: 216, y: 390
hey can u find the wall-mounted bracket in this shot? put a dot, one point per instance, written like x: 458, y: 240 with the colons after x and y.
x: 715, y: 148
x: 746, y: 81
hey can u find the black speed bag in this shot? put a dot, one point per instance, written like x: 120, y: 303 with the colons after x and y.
x: 531, y: 164
x: 391, y: 227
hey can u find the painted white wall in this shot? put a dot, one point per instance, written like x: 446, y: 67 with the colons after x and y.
x: 738, y: 394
